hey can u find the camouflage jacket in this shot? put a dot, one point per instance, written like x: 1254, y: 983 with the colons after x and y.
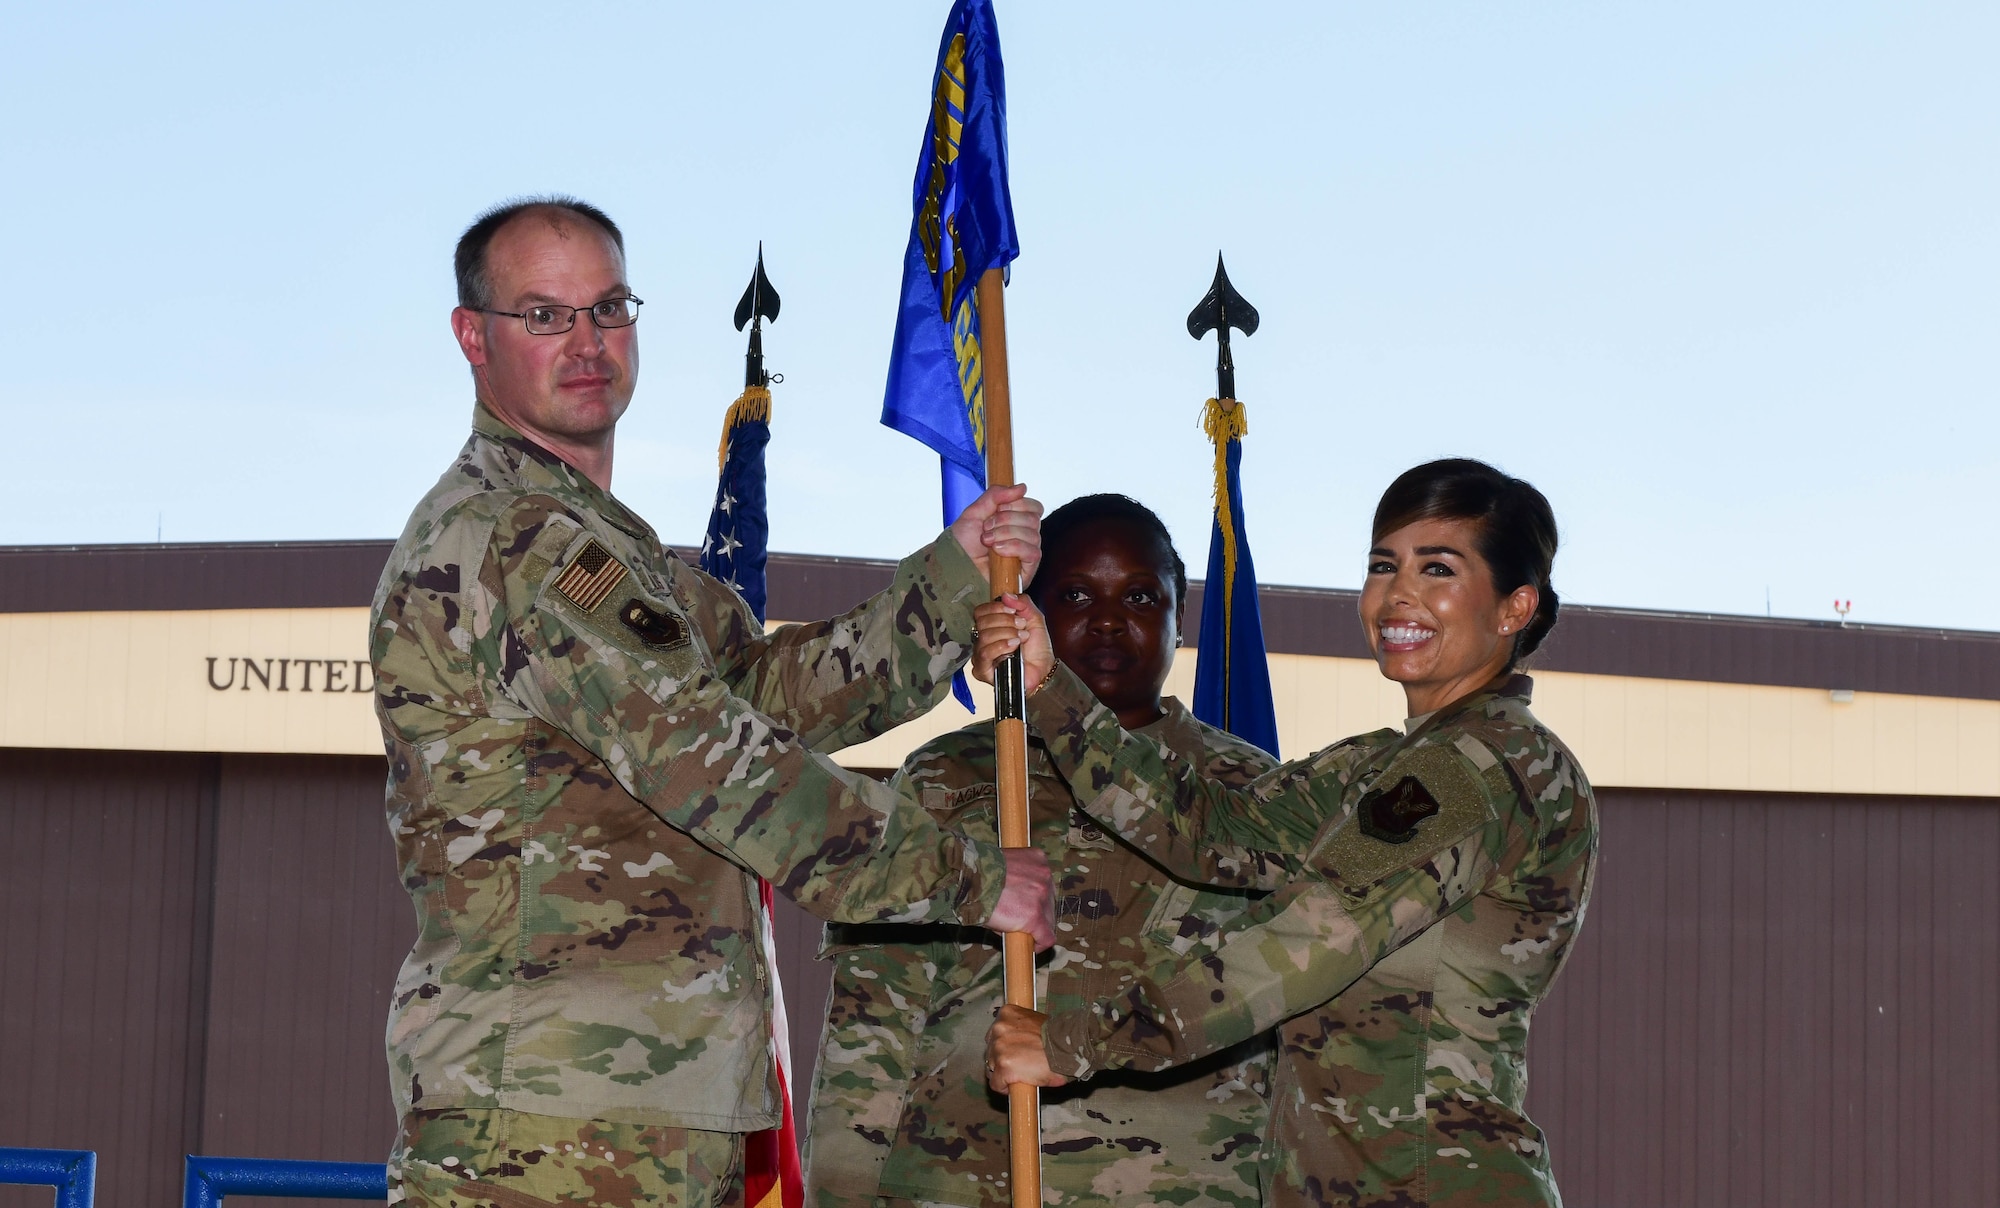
x: 1438, y: 894
x: 593, y: 751
x: 900, y: 1106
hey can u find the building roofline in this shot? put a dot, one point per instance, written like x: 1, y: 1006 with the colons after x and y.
x: 1652, y: 643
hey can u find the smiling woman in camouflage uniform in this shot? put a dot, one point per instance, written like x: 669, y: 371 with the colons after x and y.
x: 900, y: 1110
x: 1441, y: 875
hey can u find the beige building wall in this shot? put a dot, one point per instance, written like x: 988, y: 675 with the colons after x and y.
x: 296, y: 681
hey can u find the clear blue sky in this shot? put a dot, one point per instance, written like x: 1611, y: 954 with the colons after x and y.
x: 1723, y: 279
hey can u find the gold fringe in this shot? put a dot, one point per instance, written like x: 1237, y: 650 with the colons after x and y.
x: 753, y: 404
x: 1225, y: 420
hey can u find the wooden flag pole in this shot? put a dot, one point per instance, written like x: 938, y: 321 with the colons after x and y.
x: 1010, y: 736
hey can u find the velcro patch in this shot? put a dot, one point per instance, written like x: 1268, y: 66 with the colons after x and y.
x: 1392, y: 814
x: 590, y: 576
x: 658, y: 629
x: 1433, y: 798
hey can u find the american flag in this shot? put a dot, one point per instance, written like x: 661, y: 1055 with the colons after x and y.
x: 733, y: 551
x: 738, y: 533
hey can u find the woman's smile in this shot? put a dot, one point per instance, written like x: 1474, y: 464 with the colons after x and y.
x: 1401, y: 638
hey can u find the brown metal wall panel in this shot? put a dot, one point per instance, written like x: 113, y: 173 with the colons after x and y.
x: 1917, y: 1024
x: 1780, y: 1001
x: 1777, y: 1000
x: 1851, y: 1006
x: 104, y: 921
x: 310, y: 927
x: 806, y: 587
x: 116, y: 578
x: 1964, y: 1155
x: 1756, y: 650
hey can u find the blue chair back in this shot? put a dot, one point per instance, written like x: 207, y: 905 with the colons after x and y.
x: 72, y: 1172
x: 210, y: 1179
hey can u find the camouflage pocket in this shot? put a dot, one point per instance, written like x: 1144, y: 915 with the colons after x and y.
x: 1185, y: 917
x: 1163, y: 922
x: 467, y: 1158
x: 415, y: 817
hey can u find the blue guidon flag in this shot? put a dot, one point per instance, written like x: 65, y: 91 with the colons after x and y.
x: 963, y: 226
x: 1232, y: 677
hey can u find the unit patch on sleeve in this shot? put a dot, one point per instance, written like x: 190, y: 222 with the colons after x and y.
x: 590, y: 576
x: 657, y: 629
x: 1392, y: 814
x: 1434, y: 798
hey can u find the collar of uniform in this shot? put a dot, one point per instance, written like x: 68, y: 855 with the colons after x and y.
x: 1517, y: 686
x: 539, y: 467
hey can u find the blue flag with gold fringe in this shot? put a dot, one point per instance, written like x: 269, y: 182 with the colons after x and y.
x: 963, y: 225
x: 739, y: 531
x: 1232, y: 679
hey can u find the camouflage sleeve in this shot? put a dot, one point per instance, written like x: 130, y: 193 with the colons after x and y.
x: 843, y: 681
x: 1195, y: 827
x: 1407, y: 855
x: 618, y: 671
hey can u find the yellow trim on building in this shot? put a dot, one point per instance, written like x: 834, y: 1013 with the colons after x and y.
x: 141, y: 681
x: 295, y: 681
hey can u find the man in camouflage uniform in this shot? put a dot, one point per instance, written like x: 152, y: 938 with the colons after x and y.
x: 594, y: 750
x: 1443, y: 877
x: 900, y: 1108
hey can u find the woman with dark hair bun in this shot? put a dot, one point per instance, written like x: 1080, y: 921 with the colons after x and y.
x: 1439, y: 875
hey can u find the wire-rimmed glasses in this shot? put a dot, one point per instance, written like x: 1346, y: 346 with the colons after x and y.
x: 553, y: 319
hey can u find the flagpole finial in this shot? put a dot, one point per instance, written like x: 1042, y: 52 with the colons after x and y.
x: 1219, y: 310
x: 759, y: 302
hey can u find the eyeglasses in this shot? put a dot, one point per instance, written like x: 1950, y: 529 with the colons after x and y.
x: 553, y: 320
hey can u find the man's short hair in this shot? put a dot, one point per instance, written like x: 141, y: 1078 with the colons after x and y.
x: 475, y: 288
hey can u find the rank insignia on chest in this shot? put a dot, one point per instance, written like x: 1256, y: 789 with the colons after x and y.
x: 1392, y: 814
x: 590, y: 576
x: 657, y: 629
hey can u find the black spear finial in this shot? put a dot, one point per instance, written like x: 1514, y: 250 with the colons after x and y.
x: 759, y: 302
x: 1222, y: 309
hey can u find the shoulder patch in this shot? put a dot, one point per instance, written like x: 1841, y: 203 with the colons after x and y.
x: 1425, y: 801
x: 1392, y: 814
x: 590, y: 576
x: 598, y: 592
x: 656, y: 627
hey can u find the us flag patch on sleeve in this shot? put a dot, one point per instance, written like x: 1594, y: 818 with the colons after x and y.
x: 590, y: 576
